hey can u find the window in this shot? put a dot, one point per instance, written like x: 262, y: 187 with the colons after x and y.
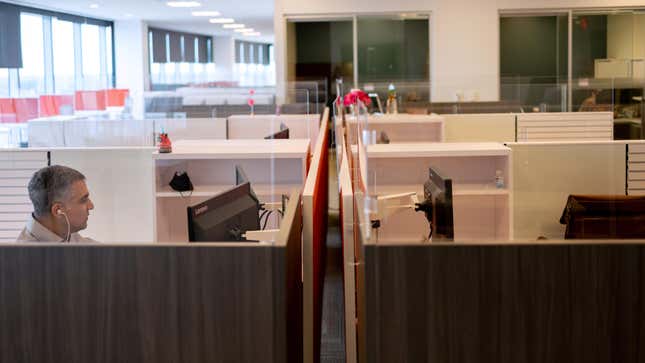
x: 91, y: 56
x: 32, y: 73
x: 4, y: 82
x: 63, y: 53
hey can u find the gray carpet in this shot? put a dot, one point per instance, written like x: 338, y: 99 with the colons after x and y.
x: 332, y: 349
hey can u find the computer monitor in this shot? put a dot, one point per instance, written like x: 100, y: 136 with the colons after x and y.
x: 241, y: 178
x: 282, y: 134
x: 376, y: 103
x: 437, y: 192
x: 225, y: 217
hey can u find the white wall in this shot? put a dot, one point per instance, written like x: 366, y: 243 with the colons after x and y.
x: 131, y: 58
x: 464, y: 39
x: 224, y: 54
x: 626, y: 36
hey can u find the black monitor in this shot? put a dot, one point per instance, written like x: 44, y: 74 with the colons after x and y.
x: 282, y: 134
x: 225, y: 217
x: 437, y: 192
x: 241, y: 178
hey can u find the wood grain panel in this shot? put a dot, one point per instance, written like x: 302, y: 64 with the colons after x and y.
x: 193, y: 303
x: 514, y: 303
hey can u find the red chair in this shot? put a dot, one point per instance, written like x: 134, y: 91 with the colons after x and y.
x: 7, y: 110
x: 51, y: 105
x: 26, y: 109
x: 90, y: 100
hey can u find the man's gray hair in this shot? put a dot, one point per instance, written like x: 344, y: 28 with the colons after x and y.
x: 51, y: 184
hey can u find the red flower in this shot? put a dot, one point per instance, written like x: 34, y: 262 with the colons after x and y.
x: 251, y: 102
x: 354, y: 95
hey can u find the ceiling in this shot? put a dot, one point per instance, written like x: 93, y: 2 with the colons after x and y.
x: 256, y: 14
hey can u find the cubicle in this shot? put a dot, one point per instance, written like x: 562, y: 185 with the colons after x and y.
x: 211, y: 302
x: 274, y: 167
x: 510, y: 299
x: 119, y: 180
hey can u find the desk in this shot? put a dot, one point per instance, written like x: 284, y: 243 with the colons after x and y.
x: 274, y: 167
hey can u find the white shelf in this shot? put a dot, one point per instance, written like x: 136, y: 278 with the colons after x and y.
x: 469, y: 189
x: 212, y: 190
x: 400, y: 118
x: 439, y: 149
x: 236, y: 149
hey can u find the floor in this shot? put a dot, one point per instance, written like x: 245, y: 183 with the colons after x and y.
x: 332, y: 349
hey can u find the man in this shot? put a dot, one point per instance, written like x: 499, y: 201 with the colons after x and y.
x: 61, y: 206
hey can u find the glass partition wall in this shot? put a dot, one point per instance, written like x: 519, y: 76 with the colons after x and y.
x: 370, y: 52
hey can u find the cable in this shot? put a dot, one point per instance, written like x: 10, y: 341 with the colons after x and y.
x: 266, y: 221
x: 68, y: 235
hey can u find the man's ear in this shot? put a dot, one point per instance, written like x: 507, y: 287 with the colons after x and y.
x: 56, y: 209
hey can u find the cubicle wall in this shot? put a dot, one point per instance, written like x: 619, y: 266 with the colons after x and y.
x: 493, y: 127
x: 545, y: 174
x: 219, y: 302
x: 346, y: 218
x: 16, y: 168
x: 508, y: 303
x: 559, y: 126
x: 315, y: 203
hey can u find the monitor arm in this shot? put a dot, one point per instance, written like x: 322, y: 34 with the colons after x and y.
x: 387, y: 205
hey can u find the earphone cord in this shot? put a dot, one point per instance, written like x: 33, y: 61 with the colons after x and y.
x: 68, y: 228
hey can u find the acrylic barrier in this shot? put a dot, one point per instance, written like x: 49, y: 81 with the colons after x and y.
x: 73, y: 131
x: 263, y: 126
x: 400, y: 128
x: 545, y: 174
x: 214, y: 302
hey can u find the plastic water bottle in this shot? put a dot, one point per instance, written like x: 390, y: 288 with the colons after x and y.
x: 499, y: 179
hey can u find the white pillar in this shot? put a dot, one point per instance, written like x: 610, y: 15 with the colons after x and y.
x: 224, y: 55
x: 131, y: 58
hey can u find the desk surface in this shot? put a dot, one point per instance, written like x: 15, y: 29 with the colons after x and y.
x: 436, y: 149
x: 239, y: 149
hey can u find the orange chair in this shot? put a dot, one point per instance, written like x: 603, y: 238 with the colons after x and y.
x: 116, y: 97
x: 50, y: 105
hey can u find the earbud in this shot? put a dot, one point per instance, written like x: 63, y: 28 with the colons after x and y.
x: 60, y: 212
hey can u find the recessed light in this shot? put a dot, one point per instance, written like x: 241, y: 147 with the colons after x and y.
x: 128, y: 15
x: 94, y: 6
x: 233, y: 26
x: 244, y: 30
x: 222, y: 20
x: 206, y: 13
x: 183, y: 4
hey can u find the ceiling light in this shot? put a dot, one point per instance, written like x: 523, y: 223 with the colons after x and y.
x: 128, y: 15
x: 222, y: 20
x: 94, y: 6
x: 233, y: 26
x: 252, y: 34
x: 244, y: 30
x: 183, y: 4
x: 206, y: 13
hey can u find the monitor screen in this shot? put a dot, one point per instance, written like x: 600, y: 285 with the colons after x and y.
x: 225, y: 217
x: 438, y: 190
x: 282, y: 134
